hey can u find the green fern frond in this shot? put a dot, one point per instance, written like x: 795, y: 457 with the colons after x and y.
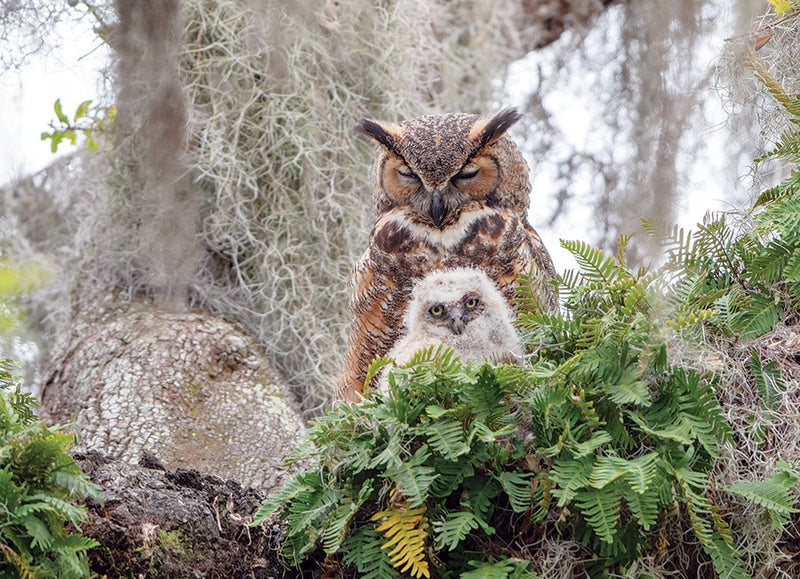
x: 479, y: 496
x: 374, y: 369
x: 601, y: 509
x: 782, y: 216
x: 336, y: 525
x: 678, y: 244
x: 588, y: 447
x: 715, y: 242
x: 517, y: 486
x: 792, y: 271
x: 788, y: 187
x: 638, y: 473
x: 630, y: 391
x: 596, y: 268
x: 768, y: 380
x: 755, y: 316
x: 447, y: 437
x: 771, y: 495
x: 505, y: 569
x: 645, y: 508
x: 413, y: 477
x: 622, y: 245
x: 449, y: 533
x: 569, y: 477
x: 363, y: 550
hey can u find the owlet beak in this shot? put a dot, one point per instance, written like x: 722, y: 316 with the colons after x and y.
x: 457, y: 325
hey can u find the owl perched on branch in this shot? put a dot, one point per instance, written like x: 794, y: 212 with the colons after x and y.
x: 461, y: 308
x: 449, y: 190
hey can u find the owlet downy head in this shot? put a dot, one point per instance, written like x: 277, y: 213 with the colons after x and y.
x: 461, y: 308
x: 439, y: 165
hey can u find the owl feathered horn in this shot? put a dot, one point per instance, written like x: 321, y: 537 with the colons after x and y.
x: 383, y: 133
x: 488, y: 130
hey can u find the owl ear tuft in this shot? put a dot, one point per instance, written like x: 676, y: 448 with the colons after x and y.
x: 385, y: 134
x: 487, y: 131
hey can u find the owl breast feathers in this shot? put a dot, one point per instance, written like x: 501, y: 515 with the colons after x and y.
x: 461, y: 308
x: 449, y: 191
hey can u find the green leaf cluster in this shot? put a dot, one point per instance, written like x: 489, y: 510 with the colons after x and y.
x: 91, y: 122
x: 441, y: 446
x: 38, y: 482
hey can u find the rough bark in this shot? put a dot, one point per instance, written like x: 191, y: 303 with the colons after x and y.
x: 181, y: 524
x: 189, y: 388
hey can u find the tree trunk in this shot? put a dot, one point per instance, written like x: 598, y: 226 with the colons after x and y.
x: 187, y: 387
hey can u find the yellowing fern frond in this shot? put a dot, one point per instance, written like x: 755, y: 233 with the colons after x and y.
x: 406, y: 531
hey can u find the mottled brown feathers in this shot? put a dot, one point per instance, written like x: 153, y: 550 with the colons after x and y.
x: 449, y: 191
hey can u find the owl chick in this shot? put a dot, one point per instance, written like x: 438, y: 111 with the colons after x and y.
x: 449, y: 191
x: 461, y: 308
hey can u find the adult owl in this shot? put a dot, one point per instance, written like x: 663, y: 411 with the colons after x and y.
x: 449, y: 190
x: 461, y: 308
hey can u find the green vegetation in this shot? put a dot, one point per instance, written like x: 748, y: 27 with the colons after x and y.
x: 38, y: 479
x: 611, y: 440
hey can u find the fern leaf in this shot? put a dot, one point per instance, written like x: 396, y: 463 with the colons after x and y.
x: 769, y: 381
x: 636, y: 392
x: 336, y: 525
x: 727, y: 562
x: 23, y: 569
x: 278, y: 499
x: 413, y: 478
x: 480, y: 494
x: 73, y: 514
x: 570, y: 475
x: 505, y: 569
x: 447, y: 437
x: 771, y: 495
x: 517, y: 486
x: 406, y: 531
x: 595, y: 266
x: 39, y: 532
x: 677, y: 243
x: 638, y: 473
x: 601, y: 509
x: 758, y: 317
x: 588, y: 447
x: 363, y: 550
x: 792, y: 271
x: 451, y: 531
x: 645, y: 508
x: 375, y: 368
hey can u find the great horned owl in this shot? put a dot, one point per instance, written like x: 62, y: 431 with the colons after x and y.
x: 449, y: 190
x: 461, y: 308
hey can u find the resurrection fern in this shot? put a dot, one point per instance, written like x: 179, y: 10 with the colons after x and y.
x: 406, y: 532
x: 38, y: 482
x: 598, y: 428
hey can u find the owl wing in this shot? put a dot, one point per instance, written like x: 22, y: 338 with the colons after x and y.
x: 381, y: 286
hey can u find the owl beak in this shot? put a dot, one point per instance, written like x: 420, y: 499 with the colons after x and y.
x: 457, y: 324
x: 438, y: 211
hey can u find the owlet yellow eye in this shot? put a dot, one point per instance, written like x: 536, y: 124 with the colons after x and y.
x: 436, y: 311
x: 471, y: 303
